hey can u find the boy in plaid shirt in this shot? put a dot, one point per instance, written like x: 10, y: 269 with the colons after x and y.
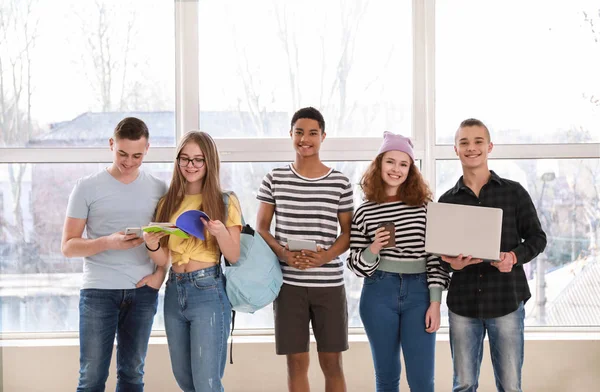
x: 489, y: 297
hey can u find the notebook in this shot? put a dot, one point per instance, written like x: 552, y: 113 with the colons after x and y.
x: 454, y: 229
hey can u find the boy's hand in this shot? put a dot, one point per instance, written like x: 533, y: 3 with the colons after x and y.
x: 154, y: 280
x: 291, y: 258
x: 459, y: 262
x: 121, y: 241
x: 312, y: 259
x: 381, y: 239
x: 507, y: 260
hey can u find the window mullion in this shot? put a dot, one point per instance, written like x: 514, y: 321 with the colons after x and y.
x: 187, y: 98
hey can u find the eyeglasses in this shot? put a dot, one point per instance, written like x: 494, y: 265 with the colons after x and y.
x: 196, y: 162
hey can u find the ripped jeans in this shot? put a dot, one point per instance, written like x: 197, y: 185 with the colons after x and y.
x: 197, y: 323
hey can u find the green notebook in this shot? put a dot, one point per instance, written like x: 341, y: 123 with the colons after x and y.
x: 156, y: 227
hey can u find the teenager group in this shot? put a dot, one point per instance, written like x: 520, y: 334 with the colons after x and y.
x: 402, y: 290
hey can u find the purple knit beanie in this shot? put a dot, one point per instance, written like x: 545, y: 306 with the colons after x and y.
x: 393, y: 142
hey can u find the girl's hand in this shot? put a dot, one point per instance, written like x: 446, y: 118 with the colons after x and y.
x: 152, y: 239
x: 216, y: 228
x: 381, y: 238
x: 432, y: 317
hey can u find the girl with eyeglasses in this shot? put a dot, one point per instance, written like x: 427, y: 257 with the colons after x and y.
x: 197, y: 311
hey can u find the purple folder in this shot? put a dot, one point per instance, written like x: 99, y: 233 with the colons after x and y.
x: 190, y: 222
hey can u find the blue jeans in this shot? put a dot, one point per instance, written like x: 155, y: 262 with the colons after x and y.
x: 392, y: 309
x: 197, y: 319
x: 102, y: 313
x: 506, y: 348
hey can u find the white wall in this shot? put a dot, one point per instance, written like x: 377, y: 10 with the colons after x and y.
x: 550, y: 365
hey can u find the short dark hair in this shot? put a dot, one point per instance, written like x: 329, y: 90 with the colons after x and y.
x: 473, y: 122
x: 310, y: 113
x: 131, y: 128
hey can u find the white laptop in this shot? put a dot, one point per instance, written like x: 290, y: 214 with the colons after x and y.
x: 454, y: 229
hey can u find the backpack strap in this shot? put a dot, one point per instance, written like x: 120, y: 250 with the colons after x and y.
x: 232, y: 328
x: 226, y: 201
x: 226, y: 196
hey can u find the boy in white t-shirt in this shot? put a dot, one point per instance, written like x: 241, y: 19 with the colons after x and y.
x: 120, y: 285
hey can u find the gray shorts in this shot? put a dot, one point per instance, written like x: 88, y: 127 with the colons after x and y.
x: 323, y: 307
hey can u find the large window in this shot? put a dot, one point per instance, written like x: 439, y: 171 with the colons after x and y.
x: 262, y: 60
x: 70, y: 70
x: 239, y: 70
x: 529, y: 69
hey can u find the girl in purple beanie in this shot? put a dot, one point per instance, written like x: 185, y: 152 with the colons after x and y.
x: 402, y: 291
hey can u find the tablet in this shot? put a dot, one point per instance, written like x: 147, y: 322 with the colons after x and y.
x: 298, y: 245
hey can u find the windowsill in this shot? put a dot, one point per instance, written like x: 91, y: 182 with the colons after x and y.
x: 356, y: 335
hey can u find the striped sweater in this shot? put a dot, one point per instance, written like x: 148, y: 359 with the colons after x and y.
x: 410, y: 241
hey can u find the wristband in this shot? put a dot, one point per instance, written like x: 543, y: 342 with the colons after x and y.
x: 152, y: 250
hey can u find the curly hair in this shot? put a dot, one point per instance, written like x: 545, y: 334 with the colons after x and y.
x: 414, y: 191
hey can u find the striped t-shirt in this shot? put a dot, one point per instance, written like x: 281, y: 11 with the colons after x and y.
x: 308, y: 208
x: 410, y: 240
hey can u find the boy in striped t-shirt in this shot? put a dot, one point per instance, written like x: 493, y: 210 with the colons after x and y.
x: 309, y: 201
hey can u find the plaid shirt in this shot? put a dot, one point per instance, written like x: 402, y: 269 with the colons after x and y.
x: 481, y: 290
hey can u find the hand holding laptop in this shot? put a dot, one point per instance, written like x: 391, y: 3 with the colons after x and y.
x: 507, y: 260
x: 459, y: 262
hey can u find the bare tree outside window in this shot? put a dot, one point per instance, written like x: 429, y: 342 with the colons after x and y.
x: 69, y: 71
x: 109, y: 34
x: 18, y: 29
x: 320, y: 54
